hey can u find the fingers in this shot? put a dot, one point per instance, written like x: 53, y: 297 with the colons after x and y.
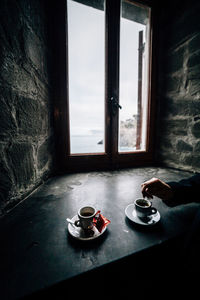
x: 148, y: 187
x: 146, y: 192
x: 156, y: 187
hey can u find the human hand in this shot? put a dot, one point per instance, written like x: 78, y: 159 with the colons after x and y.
x: 158, y: 188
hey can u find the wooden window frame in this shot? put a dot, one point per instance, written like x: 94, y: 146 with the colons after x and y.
x: 111, y: 159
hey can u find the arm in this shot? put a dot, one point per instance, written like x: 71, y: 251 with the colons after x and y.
x: 185, y: 191
x: 173, y: 193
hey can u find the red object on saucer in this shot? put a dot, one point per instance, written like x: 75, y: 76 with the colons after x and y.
x: 100, y: 221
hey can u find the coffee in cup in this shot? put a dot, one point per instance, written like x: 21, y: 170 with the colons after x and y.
x: 85, y: 215
x: 144, y: 208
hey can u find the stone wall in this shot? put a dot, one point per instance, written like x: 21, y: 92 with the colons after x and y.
x: 26, y: 146
x: 178, y: 130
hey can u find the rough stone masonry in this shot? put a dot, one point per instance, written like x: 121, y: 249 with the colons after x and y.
x: 25, y: 100
x: 178, y: 127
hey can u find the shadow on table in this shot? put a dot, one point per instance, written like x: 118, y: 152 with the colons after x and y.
x: 89, y: 244
x: 156, y: 227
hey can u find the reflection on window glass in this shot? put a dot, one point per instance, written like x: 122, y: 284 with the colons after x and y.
x: 86, y: 76
x: 134, y: 46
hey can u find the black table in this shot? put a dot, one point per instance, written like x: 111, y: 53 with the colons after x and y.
x: 37, y: 253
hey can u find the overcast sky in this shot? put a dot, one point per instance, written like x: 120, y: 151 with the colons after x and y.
x: 87, y: 63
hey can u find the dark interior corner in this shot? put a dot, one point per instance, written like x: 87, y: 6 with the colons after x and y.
x: 30, y: 91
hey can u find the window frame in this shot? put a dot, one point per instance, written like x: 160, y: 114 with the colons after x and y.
x: 111, y: 159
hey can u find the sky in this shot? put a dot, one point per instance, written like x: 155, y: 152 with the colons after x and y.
x: 86, y: 40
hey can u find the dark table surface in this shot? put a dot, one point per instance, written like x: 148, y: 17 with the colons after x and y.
x: 36, y: 250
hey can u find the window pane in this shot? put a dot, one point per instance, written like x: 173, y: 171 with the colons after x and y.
x: 134, y: 47
x: 86, y: 75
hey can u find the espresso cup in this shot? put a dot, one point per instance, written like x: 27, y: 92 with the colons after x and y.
x: 85, y: 215
x: 144, y: 208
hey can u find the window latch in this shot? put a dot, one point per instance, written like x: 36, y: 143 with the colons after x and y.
x: 114, y: 105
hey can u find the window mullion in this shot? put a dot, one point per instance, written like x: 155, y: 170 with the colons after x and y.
x: 112, y: 72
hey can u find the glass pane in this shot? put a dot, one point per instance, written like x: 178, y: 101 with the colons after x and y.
x: 86, y: 75
x: 134, y: 47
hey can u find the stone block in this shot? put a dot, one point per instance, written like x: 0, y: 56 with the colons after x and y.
x: 175, y: 107
x: 22, y: 163
x: 35, y: 52
x: 197, y: 118
x: 32, y: 117
x: 18, y: 78
x: 182, y: 146
x: 8, y: 125
x: 173, y: 83
x: 6, y: 182
x: 193, y: 87
x: 175, y: 60
x: 35, y: 12
x: 193, y: 72
x: 196, y: 129
x: 169, y: 158
x: 194, y: 109
x: 197, y: 147
x: 25, y: 71
x: 44, y: 153
x: 166, y: 142
x: 194, y: 43
x: 196, y: 161
x: 175, y: 127
x: 194, y: 59
x: 184, y: 107
x: 193, y: 161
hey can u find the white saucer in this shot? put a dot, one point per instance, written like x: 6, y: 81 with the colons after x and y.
x: 79, y: 234
x: 132, y: 215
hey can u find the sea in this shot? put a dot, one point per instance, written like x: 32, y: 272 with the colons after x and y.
x: 87, y: 144
x: 90, y: 144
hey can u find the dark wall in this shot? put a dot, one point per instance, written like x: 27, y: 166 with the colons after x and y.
x: 26, y: 132
x: 178, y: 143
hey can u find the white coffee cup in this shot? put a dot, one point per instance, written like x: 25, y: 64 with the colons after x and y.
x: 144, y: 208
x: 85, y: 215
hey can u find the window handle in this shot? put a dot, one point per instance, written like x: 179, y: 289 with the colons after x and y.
x: 114, y: 105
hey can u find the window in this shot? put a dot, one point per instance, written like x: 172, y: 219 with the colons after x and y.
x: 86, y: 52
x: 108, y: 101
x: 134, y: 63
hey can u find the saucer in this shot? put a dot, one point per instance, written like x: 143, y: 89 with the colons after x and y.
x: 132, y: 215
x: 79, y: 234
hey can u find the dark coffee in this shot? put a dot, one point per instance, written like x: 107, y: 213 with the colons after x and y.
x: 142, y: 203
x: 86, y: 214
